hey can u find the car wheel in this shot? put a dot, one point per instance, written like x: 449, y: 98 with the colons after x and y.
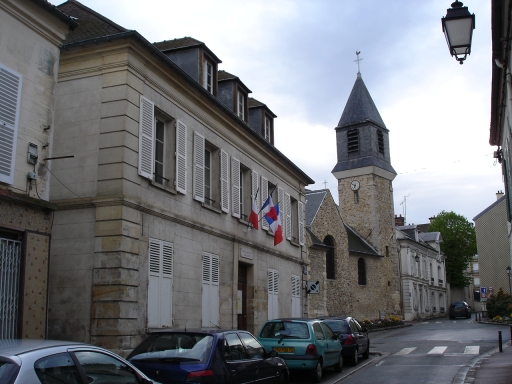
x: 366, y: 354
x: 339, y: 365
x: 316, y: 374
x: 355, y: 357
x: 282, y: 379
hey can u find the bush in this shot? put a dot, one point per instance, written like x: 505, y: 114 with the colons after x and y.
x: 498, y: 304
x: 381, y: 323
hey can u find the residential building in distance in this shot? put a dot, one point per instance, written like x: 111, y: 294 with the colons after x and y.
x: 32, y: 32
x: 423, y: 273
x: 151, y: 230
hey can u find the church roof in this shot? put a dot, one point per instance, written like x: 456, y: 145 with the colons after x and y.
x: 314, y: 200
x: 356, y: 244
x: 360, y: 107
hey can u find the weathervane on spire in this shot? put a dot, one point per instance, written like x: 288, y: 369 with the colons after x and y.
x: 358, y: 60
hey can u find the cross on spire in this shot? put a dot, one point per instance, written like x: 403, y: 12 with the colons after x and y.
x: 358, y: 60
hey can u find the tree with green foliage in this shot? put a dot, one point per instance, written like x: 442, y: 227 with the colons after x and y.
x: 459, y: 246
x: 498, y: 304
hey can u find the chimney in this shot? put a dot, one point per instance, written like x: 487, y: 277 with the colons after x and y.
x: 399, y: 221
x: 432, y: 218
x: 499, y: 195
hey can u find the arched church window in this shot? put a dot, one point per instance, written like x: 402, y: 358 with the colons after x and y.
x: 352, y: 140
x: 361, y: 271
x: 329, y: 258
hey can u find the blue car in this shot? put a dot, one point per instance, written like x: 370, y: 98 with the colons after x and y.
x: 214, y: 356
x: 305, y: 344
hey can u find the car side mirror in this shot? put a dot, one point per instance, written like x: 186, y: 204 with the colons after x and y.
x: 273, y: 354
x: 364, y: 329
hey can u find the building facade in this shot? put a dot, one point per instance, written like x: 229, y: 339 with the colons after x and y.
x: 492, y: 241
x: 151, y: 230
x: 32, y: 33
x: 423, y: 273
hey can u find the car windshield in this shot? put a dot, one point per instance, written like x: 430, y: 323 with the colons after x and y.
x: 338, y: 326
x: 295, y: 330
x: 8, y: 372
x: 174, y: 347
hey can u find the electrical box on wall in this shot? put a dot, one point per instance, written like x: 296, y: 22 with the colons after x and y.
x: 32, y: 153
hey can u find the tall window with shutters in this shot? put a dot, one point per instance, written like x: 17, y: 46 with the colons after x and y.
x: 10, y: 96
x: 162, y: 149
x: 296, y: 312
x: 273, y: 294
x: 210, y: 294
x: 211, y: 174
x: 160, y: 284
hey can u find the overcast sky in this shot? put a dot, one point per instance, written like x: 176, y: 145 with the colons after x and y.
x: 298, y: 58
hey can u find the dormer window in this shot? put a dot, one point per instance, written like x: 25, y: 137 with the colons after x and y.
x: 267, y: 129
x: 208, y: 76
x: 241, y: 105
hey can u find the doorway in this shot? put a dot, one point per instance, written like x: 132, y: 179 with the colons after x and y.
x: 242, y: 297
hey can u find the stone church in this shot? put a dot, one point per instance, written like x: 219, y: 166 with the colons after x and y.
x: 352, y: 248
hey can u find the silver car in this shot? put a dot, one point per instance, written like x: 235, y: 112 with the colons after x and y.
x: 24, y: 361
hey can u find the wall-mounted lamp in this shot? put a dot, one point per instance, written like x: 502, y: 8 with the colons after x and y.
x: 458, y: 28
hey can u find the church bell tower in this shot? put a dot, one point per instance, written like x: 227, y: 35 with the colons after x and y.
x: 364, y: 170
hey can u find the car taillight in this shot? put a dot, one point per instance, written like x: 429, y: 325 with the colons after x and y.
x: 200, y: 376
x: 349, y: 340
x: 311, y: 349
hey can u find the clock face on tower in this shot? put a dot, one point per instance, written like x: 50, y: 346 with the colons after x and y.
x: 354, y: 185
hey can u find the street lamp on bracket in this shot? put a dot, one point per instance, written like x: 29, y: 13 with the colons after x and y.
x: 458, y: 25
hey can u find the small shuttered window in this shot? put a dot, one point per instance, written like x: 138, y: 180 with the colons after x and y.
x: 210, y: 294
x: 199, y: 147
x: 235, y: 187
x: 160, y: 284
x: 181, y: 157
x: 352, y: 140
x: 273, y: 294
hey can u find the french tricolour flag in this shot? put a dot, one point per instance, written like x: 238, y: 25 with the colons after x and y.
x: 271, y: 214
x: 253, y: 217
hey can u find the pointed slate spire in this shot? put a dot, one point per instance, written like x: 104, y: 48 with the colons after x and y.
x: 360, y: 106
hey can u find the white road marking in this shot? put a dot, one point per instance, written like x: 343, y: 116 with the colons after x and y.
x: 472, y: 350
x: 424, y: 322
x: 437, y: 351
x: 405, y: 351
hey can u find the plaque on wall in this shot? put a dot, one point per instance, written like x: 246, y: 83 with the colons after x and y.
x: 246, y: 253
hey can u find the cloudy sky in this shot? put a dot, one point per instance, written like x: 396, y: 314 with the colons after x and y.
x: 297, y: 56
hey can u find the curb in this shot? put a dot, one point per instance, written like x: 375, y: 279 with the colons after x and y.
x: 388, y: 328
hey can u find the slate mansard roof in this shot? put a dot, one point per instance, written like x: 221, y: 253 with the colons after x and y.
x: 360, y: 107
x: 356, y: 244
x: 95, y: 29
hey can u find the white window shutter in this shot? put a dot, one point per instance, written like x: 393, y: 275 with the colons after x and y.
x: 280, y: 200
x: 10, y: 97
x: 288, y: 211
x: 273, y: 294
x: 181, y: 157
x: 224, y: 181
x: 210, y: 294
x: 199, y: 167
x: 235, y: 191
x: 146, y: 137
x: 254, y: 186
x: 295, y: 296
x: 301, y: 223
x: 264, y: 197
x: 160, y: 284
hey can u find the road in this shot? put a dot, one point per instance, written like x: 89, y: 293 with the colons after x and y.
x: 431, y: 352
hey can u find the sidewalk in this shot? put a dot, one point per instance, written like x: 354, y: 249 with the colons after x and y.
x: 492, y: 367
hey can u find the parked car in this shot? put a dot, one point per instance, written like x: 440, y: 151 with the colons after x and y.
x: 459, y: 309
x: 216, y: 356
x: 352, y: 336
x: 62, y: 362
x: 306, y: 344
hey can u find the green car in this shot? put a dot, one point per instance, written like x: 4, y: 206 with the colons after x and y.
x: 304, y: 344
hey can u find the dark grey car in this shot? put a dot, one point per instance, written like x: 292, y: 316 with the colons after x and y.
x: 459, y: 309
